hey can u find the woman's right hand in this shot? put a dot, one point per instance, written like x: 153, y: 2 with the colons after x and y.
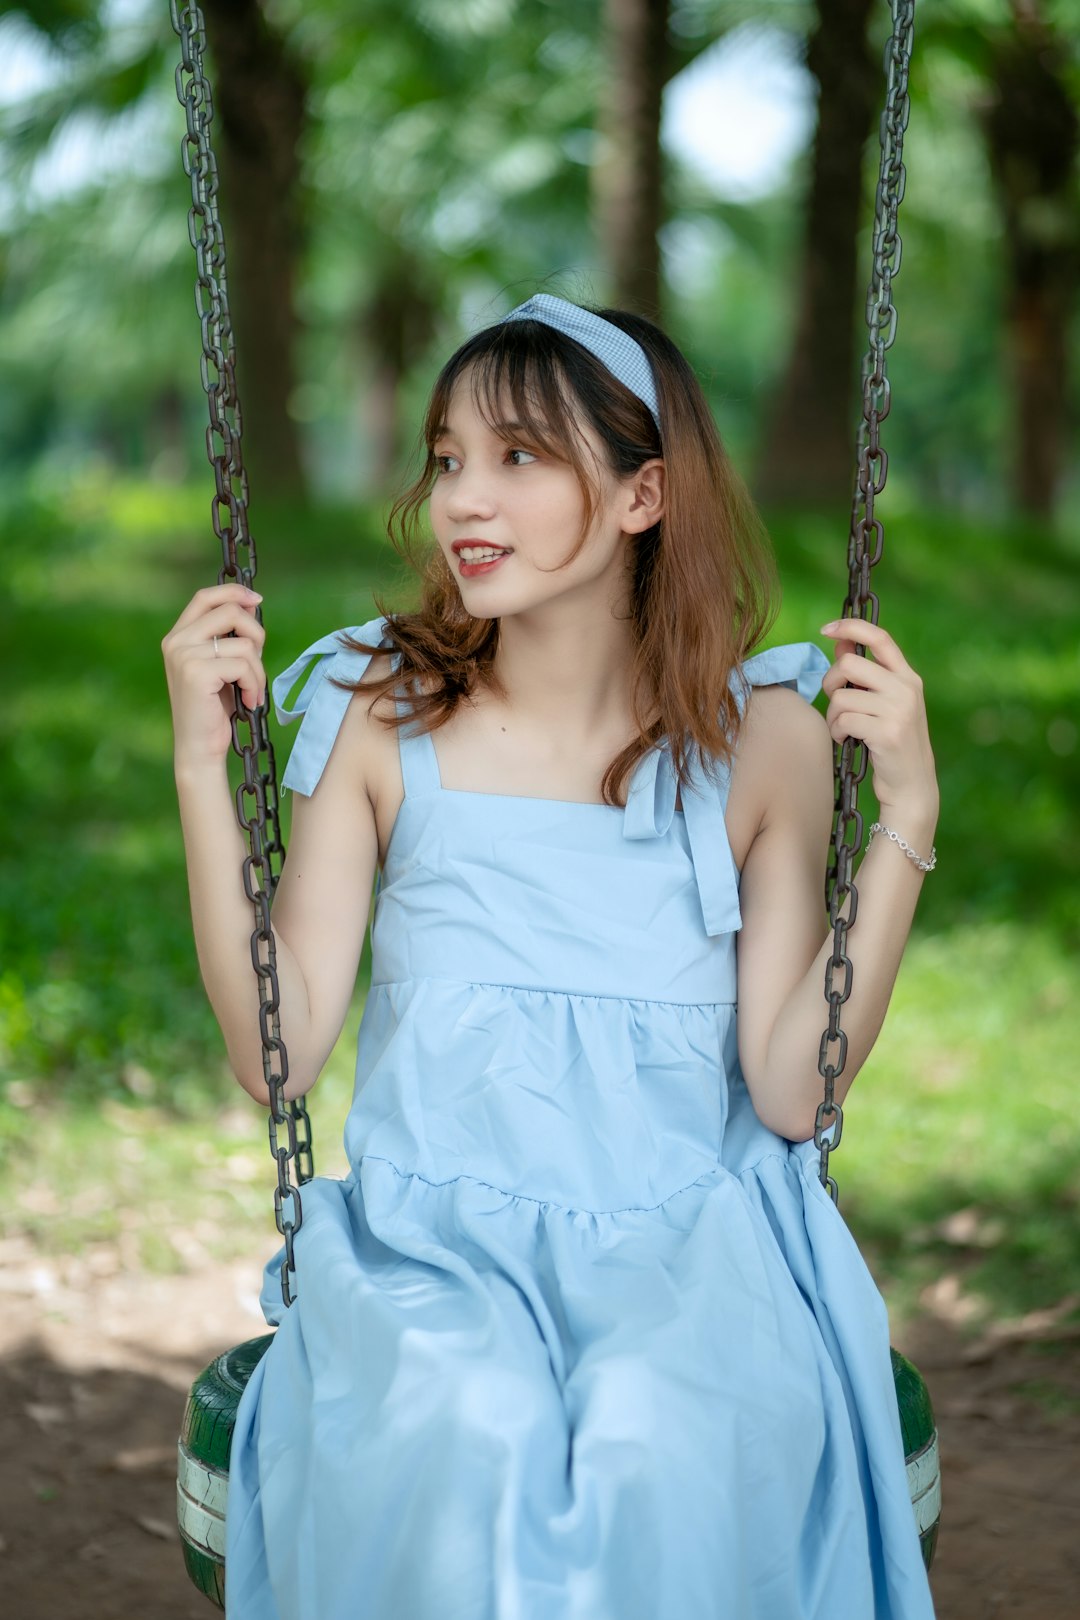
x: 201, y: 682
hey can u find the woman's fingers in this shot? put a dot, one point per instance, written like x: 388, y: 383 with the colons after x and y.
x: 214, y: 646
x: 887, y: 667
x: 198, y: 641
x: 201, y: 634
x: 847, y: 633
x: 216, y: 620
x: 880, y: 702
x: 242, y: 671
x: 225, y: 615
x: 212, y: 596
x: 859, y: 671
x: 860, y: 632
x: 852, y: 712
x: 226, y: 612
x: 203, y: 673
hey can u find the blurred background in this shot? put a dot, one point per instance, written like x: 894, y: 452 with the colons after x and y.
x: 394, y: 176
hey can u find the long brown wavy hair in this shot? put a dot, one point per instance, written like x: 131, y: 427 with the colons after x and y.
x: 704, y: 586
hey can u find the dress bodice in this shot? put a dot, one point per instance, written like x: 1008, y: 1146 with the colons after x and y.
x: 637, y: 901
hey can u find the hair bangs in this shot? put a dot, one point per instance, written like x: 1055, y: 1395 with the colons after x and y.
x: 519, y: 386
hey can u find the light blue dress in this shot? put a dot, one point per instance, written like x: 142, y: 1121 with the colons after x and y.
x: 577, y: 1338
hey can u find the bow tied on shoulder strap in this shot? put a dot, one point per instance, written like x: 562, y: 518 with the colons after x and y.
x: 650, y: 807
x: 650, y: 803
x: 321, y: 704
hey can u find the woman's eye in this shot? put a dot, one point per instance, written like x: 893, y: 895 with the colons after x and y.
x: 526, y: 453
x: 442, y: 463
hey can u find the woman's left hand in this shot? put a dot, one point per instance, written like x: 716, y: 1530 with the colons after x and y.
x: 884, y: 708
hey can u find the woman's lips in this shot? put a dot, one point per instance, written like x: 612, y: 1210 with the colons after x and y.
x: 469, y: 570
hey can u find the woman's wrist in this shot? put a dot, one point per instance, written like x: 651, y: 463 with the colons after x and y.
x: 911, y: 829
x: 912, y: 820
x: 920, y: 862
x: 197, y: 772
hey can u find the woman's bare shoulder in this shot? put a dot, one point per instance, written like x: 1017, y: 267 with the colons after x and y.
x: 379, y: 667
x: 364, y: 735
x: 778, y: 718
x: 784, y: 754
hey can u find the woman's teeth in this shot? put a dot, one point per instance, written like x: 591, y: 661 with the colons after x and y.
x: 480, y: 553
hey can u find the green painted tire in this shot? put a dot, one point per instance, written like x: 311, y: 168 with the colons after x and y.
x: 202, y: 1473
x: 202, y: 1480
x: 920, y: 1451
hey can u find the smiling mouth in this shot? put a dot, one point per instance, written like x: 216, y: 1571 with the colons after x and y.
x: 475, y: 554
x: 480, y: 560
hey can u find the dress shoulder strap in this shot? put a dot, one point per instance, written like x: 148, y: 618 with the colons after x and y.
x: 650, y: 804
x: 416, y: 751
x: 798, y: 664
x: 321, y: 705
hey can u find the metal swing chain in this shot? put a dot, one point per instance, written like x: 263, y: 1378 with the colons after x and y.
x: 229, y: 513
x: 866, y: 530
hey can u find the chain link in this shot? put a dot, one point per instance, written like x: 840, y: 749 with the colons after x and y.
x: 865, y: 543
x: 257, y: 795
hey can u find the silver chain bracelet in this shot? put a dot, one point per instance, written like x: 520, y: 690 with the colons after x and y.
x: 924, y: 866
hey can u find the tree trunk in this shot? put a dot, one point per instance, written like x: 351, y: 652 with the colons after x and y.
x: 627, y: 188
x: 808, y: 451
x: 168, y: 442
x: 397, y: 324
x: 1033, y: 135
x: 259, y: 118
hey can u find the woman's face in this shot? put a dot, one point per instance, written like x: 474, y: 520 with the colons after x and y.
x: 492, y: 493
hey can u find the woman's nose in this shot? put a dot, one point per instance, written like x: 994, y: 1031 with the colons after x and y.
x: 470, y: 495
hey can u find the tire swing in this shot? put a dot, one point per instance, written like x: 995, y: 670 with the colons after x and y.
x: 210, y: 1414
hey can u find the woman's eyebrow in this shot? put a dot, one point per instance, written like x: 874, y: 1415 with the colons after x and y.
x: 496, y: 422
x: 530, y: 429
x: 497, y: 425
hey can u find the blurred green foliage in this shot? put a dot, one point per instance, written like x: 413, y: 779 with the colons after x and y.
x: 450, y: 148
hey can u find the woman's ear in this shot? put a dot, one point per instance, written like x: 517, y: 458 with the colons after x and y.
x: 645, y: 506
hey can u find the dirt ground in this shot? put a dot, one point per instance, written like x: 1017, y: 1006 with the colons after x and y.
x: 96, y: 1360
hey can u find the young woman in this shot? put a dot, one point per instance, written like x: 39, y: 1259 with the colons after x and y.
x: 581, y: 1335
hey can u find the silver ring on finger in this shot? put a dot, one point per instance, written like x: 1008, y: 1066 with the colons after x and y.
x: 215, y: 647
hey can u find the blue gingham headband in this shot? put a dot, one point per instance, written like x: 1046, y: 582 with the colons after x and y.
x: 620, y: 353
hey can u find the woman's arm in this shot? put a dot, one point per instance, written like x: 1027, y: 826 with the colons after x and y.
x: 782, y: 953
x: 323, y: 897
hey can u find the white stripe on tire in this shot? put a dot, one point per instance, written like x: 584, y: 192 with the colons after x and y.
x: 201, y: 1494
x: 924, y: 1484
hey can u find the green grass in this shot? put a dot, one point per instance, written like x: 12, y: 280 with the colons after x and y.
x: 964, y: 1119
x: 115, y: 1101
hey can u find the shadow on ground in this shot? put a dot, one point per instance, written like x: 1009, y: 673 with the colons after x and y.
x: 87, y: 1480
